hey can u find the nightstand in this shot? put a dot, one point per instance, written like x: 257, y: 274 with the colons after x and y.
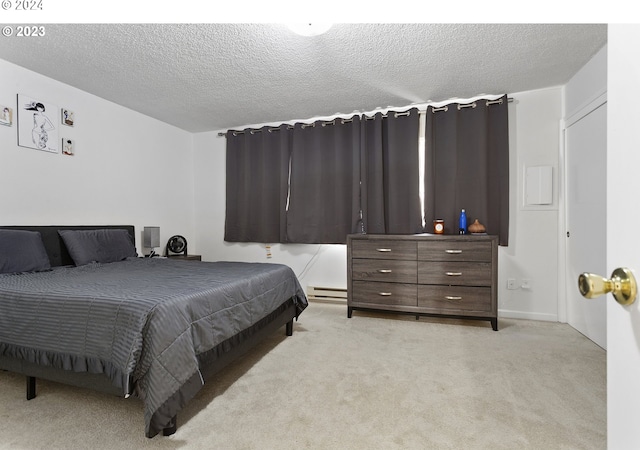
x: 189, y: 257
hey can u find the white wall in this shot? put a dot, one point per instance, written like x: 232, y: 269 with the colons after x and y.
x: 128, y: 168
x: 532, y: 254
x: 587, y: 85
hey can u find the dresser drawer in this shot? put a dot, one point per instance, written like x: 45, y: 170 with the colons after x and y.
x: 384, y: 270
x: 454, y: 251
x: 392, y: 294
x: 383, y: 249
x: 443, y: 299
x: 454, y: 273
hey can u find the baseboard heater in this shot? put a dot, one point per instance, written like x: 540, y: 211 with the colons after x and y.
x: 327, y: 294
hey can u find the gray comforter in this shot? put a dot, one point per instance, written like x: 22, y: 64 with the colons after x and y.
x: 141, y: 322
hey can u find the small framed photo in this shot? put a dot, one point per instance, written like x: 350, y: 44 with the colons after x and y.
x: 6, y: 116
x: 68, y: 147
x: 67, y: 117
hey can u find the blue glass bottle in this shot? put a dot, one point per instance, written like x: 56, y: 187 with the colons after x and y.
x: 462, y: 226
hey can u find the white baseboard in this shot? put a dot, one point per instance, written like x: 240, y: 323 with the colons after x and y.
x: 508, y: 314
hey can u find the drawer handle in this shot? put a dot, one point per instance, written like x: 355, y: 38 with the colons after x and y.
x: 385, y: 294
x: 453, y: 252
x: 453, y: 274
x: 384, y: 250
x: 384, y: 270
x: 451, y: 297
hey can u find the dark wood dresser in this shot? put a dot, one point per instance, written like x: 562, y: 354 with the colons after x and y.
x: 424, y: 274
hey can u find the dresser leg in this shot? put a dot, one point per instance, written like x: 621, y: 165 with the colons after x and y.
x: 494, y: 324
x: 349, y: 312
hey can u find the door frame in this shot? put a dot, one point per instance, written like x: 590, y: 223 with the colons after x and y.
x: 564, y: 283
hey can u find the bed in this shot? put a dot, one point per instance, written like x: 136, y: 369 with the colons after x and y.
x: 78, y: 306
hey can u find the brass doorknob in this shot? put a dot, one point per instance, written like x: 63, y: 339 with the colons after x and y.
x: 622, y: 284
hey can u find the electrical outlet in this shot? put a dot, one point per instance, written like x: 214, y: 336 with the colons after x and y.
x: 268, y: 248
x: 511, y: 283
x: 526, y: 283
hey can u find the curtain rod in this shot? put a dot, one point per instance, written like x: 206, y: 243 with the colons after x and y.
x: 313, y: 124
x: 473, y: 104
x: 397, y: 114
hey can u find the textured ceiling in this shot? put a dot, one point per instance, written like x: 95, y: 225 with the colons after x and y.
x: 217, y: 76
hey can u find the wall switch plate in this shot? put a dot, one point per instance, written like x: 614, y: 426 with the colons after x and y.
x: 511, y: 283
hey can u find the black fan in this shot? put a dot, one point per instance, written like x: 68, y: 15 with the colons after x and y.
x: 177, y: 245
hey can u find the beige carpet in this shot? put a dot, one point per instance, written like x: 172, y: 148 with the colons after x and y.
x: 374, y: 381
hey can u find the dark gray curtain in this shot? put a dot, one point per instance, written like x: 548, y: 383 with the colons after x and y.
x: 308, y: 183
x: 390, y: 173
x: 257, y: 184
x: 467, y: 166
x: 324, y: 181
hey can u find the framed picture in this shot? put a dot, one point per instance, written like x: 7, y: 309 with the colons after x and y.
x: 37, y: 125
x: 68, y: 147
x: 6, y: 116
x: 67, y: 117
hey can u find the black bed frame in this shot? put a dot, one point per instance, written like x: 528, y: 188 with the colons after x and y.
x: 211, y: 363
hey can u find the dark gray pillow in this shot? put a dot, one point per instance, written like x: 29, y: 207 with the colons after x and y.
x: 102, y: 245
x: 22, y: 251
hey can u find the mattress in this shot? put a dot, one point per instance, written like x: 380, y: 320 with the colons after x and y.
x: 143, y: 322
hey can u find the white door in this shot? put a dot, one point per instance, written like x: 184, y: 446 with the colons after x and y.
x: 623, y: 234
x: 586, y: 158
